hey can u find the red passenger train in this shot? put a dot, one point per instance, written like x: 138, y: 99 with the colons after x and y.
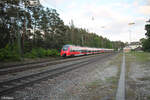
x: 71, y: 50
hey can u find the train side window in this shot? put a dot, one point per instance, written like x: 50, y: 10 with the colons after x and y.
x: 70, y: 49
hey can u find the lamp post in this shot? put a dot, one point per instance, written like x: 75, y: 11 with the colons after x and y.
x: 130, y: 24
x: 102, y: 42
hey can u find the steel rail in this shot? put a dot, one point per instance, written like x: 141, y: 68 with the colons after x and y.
x: 12, y: 85
x: 24, y: 67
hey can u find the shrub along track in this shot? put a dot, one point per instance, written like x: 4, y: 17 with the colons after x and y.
x: 4, y: 70
x: 10, y: 86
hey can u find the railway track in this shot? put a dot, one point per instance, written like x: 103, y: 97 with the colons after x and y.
x: 9, y: 86
x: 28, y: 66
x: 4, y: 66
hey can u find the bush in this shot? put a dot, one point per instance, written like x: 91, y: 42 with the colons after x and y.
x: 53, y: 52
x: 10, y: 52
x: 36, y: 52
x: 40, y: 52
x: 29, y: 55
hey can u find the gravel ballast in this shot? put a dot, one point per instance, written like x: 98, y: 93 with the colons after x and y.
x: 95, y: 81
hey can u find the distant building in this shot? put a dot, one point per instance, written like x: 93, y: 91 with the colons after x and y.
x: 126, y: 49
x: 133, y: 46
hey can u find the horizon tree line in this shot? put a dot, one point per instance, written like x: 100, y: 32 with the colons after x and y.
x: 42, y: 27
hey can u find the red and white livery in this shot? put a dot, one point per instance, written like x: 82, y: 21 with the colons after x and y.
x: 71, y: 50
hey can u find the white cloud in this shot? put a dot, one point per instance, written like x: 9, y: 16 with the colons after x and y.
x: 115, y: 23
x: 145, y: 9
x: 113, y: 16
x: 148, y: 2
x: 56, y: 2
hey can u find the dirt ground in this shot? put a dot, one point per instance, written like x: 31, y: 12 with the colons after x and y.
x: 138, y: 76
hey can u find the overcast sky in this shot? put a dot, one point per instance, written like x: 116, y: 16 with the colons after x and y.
x: 108, y: 18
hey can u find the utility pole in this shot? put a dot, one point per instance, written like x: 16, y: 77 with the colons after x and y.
x: 18, y: 31
x: 82, y: 40
x: 28, y: 3
x: 25, y: 27
x: 72, y: 31
x: 18, y: 38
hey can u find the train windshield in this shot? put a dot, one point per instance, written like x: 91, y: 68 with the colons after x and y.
x: 65, y: 48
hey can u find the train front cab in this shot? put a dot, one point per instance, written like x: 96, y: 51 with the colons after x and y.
x: 65, y: 51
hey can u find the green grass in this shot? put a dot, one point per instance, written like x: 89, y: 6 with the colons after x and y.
x: 117, y: 60
x: 143, y: 56
x: 112, y: 80
x: 94, y: 84
x: 148, y: 97
x: 140, y: 56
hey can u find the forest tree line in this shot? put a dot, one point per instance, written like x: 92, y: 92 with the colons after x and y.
x: 29, y: 27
